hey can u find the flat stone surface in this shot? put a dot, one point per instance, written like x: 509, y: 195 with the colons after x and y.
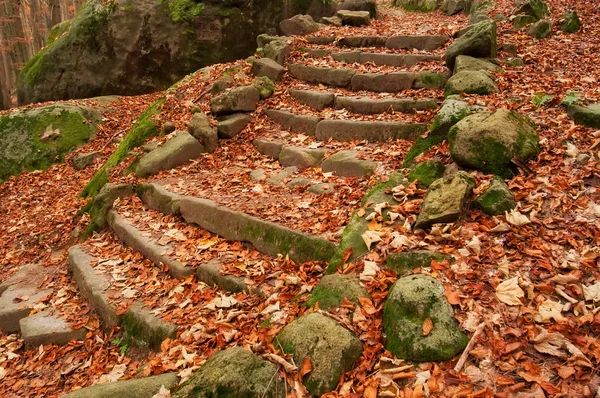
x: 349, y: 130
x: 337, y: 77
x: 239, y: 99
x: 347, y: 164
x: 43, y: 328
x: 211, y: 274
x: 278, y: 178
x: 300, y: 157
x: 396, y: 59
x: 354, y: 18
x: 146, y: 328
x: 315, y: 99
x: 369, y: 106
x: 267, y: 67
x: 232, y: 125
x: 362, y: 41
x: 383, y: 82
x: 144, y: 387
x: 157, y: 198
x: 297, y: 123
x: 177, y: 151
x: 269, y: 148
x: 258, y: 175
x: 321, y: 39
x: 421, y: 42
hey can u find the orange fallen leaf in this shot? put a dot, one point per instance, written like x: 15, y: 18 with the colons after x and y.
x: 451, y: 295
x: 427, y: 326
x: 306, y: 367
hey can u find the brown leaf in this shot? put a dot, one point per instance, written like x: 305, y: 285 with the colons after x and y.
x: 306, y: 367
x: 451, y: 295
x: 427, y: 326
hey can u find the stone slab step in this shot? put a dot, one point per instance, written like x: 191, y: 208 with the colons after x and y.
x: 375, y: 82
x: 372, y: 131
x: 210, y: 273
x: 146, y: 328
x: 145, y: 387
x: 418, y: 42
x: 379, y: 59
x: 134, y: 238
x: 43, y: 328
x: 297, y: 123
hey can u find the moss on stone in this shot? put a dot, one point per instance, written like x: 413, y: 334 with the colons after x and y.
x: 332, y: 289
x: 184, y: 10
x: 571, y: 22
x: 405, y: 262
x: 430, y: 80
x: 265, y: 87
x: 420, y: 146
x: 497, y: 199
x: 427, y: 172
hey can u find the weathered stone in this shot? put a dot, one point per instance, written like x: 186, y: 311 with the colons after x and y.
x: 396, y: 59
x: 510, y: 48
x: 300, y: 157
x: 200, y: 127
x: 235, y: 372
x: 445, y: 200
x: 315, y: 99
x: 471, y: 82
x: 418, y: 5
x: 299, y: 182
x: 452, y: 7
x: 354, y: 18
x: 297, y: 123
x: 284, y: 174
x: 271, y: 149
x: 232, y: 125
x: 359, y: 5
x: 322, y: 188
x: 523, y: 20
x: 157, y: 198
x: 588, y: 116
x: 497, y: 199
x: 85, y: 160
x: 405, y: 262
x: 168, y: 128
x: 422, y: 42
x: 570, y: 22
x: 265, y: 236
x: 427, y: 172
x: 221, y: 85
x: 44, y: 328
x: 298, y: 25
x: 478, y: 17
x: 347, y: 56
x: 350, y: 130
x: 451, y: 112
x: 480, y: 42
x: 258, y: 174
x: 331, y: 348
x: 383, y: 82
x: 266, y: 88
x: 178, y: 150
x: 240, y: 99
x: 465, y: 62
x: 146, y: 329
x: 103, y: 202
x: 430, y: 80
x: 321, y: 40
x: 211, y: 274
x: 347, y: 164
x: 514, y: 61
x: 369, y: 106
x: 339, y: 77
x: 362, y: 41
x: 411, y: 301
x: 267, y: 67
x: 535, y: 8
x: 333, y: 21
x: 488, y: 141
x: 151, y: 250
x: 263, y: 39
x: 145, y: 387
x: 333, y: 289
x: 540, y: 30
x: 316, y: 52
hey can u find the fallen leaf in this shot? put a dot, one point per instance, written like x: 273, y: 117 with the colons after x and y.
x: 427, y: 326
x: 370, y: 237
x: 451, y: 295
x: 517, y: 219
x: 509, y: 292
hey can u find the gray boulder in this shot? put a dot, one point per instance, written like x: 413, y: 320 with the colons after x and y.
x: 240, y: 99
x: 277, y: 50
x: 412, y: 300
x: 144, y: 387
x: 465, y: 62
x: 235, y: 372
x: 333, y: 289
x: 453, y: 110
x: 298, y: 25
x: 480, y: 41
x: 347, y: 164
x: 588, y: 116
x: 540, y: 30
x: 523, y: 20
x: 267, y: 67
x: 452, y: 7
x: 316, y: 99
x: 300, y: 157
x: 271, y: 149
x: 333, y: 21
x: 497, y: 198
x: 488, y: 141
x: 354, y: 18
x: 231, y: 125
x: 445, y: 200
x: 471, y: 82
x: 359, y: 5
x: 534, y: 8
x: 177, y: 151
x: 85, y: 160
x: 202, y: 130
x: 570, y: 22
x: 331, y: 348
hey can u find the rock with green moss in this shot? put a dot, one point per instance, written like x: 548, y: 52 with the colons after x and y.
x: 445, y: 199
x: 540, y: 30
x: 143, y: 46
x: 200, y: 127
x: 427, y: 172
x: 412, y: 300
x: 405, y: 262
x: 523, y: 20
x: 277, y: 50
x: 144, y: 328
x: 99, y: 207
x: 465, y: 62
x: 452, y: 111
x: 331, y: 348
x: 145, y: 387
x: 570, y: 22
x: 178, y: 150
x: 235, y: 372
x: 265, y: 86
x: 417, y: 5
x: 588, y: 116
x: 479, y: 41
x: 57, y: 31
x: 332, y: 289
x: 471, y: 82
x: 36, y: 138
x: 488, y: 141
x: 535, y: 8
x: 239, y: 99
x: 298, y: 25
x: 451, y: 7
x: 426, y: 79
x: 497, y: 199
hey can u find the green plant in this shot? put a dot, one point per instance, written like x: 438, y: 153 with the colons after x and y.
x: 572, y: 97
x: 121, y: 344
x: 540, y: 98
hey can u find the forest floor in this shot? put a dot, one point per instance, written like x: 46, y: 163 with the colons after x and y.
x: 547, y: 346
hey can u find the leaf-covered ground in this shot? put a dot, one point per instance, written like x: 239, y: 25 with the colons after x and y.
x: 525, y: 287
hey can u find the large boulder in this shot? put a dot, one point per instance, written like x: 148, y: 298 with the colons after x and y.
x: 453, y: 110
x: 133, y: 47
x: 298, y: 25
x: 471, y: 82
x: 535, y: 8
x: 235, y: 372
x: 480, y: 41
x: 488, y: 141
x: 34, y: 139
x: 412, y: 301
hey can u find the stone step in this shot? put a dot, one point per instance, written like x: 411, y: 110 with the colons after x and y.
x: 377, y: 58
x: 145, y: 387
x: 350, y: 130
x: 267, y: 237
x: 418, y: 42
x: 375, y: 82
x: 362, y: 105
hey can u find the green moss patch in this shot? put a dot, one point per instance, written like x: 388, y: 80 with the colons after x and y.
x: 405, y: 262
x: 184, y: 10
x: 332, y: 289
x: 427, y: 172
x: 420, y: 146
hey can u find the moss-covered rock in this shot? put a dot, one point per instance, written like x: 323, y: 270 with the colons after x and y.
x: 265, y: 87
x: 99, y: 207
x: 411, y: 301
x: 588, y: 116
x: 488, y: 141
x: 417, y: 5
x: 332, y: 289
x: 426, y: 79
x: 497, y: 199
x: 145, y: 387
x: 570, y: 22
x: 36, y: 138
x: 143, y: 46
x: 234, y: 373
x: 427, y: 172
x: 465, y: 62
x: 239, y: 99
x: 405, y: 262
x: 144, y: 328
x: 523, y: 20
x: 452, y: 111
x: 471, y: 82
x: 480, y: 41
x: 535, y: 8
x: 540, y: 30
x: 331, y: 348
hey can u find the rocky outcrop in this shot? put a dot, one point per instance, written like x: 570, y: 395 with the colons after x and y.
x: 143, y: 46
x: 471, y: 82
x: 480, y: 41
